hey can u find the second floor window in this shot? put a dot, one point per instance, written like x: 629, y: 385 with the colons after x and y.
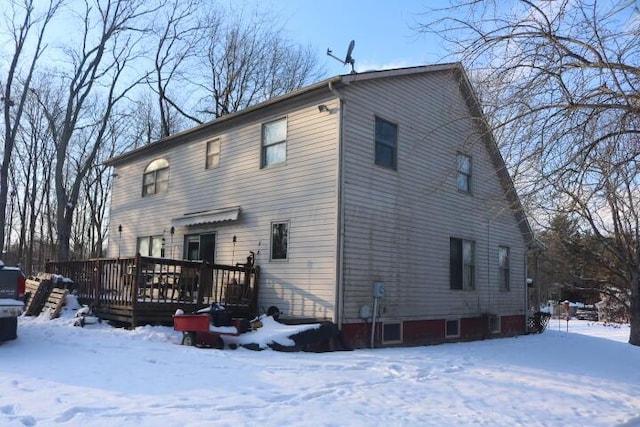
x: 464, y: 173
x: 386, y: 144
x: 156, y: 178
x: 213, y: 154
x: 274, y: 142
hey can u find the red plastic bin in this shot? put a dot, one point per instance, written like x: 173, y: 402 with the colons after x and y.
x: 191, y: 322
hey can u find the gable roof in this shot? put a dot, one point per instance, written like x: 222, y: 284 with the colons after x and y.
x: 328, y: 86
x: 324, y: 85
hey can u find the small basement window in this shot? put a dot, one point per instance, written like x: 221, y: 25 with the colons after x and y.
x: 452, y: 328
x: 494, y: 323
x: 391, y: 333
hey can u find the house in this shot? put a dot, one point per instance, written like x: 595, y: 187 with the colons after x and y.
x: 378, y: 197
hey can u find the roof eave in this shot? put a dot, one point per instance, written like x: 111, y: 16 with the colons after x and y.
x: 224, y: 119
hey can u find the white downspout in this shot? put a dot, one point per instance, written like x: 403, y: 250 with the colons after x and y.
x: 373, y: 321
x: 340, y: 219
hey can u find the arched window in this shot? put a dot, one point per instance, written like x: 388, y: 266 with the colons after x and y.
x: 156, y: 177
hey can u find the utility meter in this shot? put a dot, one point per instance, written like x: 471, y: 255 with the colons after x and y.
x: 378, y: 289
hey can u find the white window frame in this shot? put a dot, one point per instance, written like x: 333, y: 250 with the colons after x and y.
x: 446, y: 328
x: 213, y: 148
x: 154, y: 246
x: 268, y: 146
x: 155, y: 179
x: 392, y: 341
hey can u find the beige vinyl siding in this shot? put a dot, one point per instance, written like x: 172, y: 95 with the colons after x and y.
x: 301, y: 191
x: 398, y: 223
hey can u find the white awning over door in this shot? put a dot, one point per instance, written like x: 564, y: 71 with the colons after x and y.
x: 207, y: 217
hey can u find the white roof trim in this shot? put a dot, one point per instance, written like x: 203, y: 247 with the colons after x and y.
x: 207, y: 217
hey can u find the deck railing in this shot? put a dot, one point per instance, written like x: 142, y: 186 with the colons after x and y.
x: 139, y: 280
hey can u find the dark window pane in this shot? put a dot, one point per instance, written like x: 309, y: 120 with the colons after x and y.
x: 464, y: 173
x: 386, y: 137
x: 455, y: 263
x: 468, y: 277
x: 391, y: 332
x: 279, y: 236
x: 193, y: 250
x: 384, y: 156
x: 504, y: 261
x: 463, y: 183
x: 452, y: 328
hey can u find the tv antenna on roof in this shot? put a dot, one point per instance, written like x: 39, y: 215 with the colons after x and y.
x: 348, y: 58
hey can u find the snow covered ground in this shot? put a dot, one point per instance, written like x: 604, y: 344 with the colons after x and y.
x: 56, y: 374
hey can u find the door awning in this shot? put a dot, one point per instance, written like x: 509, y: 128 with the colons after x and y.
x: 207, y: 217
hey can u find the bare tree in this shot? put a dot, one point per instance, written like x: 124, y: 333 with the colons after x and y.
x: 224, y: 60
x: 179, y: 33
x: 96, y: 82
x: 27, y: 29
x: 92, y: 80
x: 249, y: 61
x: 30, y: 173
x: 97, y: 189
x: 560, y: 84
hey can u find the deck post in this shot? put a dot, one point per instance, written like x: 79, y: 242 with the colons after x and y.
x: 135, y: 288
x: 99, y: 274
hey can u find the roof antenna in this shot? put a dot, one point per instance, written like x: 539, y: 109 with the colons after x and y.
x: 348, y: 59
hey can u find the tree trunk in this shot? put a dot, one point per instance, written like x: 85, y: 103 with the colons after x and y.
x: 634, y: 334
x: 64, y: 224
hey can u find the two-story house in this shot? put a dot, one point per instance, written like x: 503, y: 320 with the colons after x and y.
x: 378, y: 197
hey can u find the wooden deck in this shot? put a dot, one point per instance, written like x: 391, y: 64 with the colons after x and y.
x: 143, y: 290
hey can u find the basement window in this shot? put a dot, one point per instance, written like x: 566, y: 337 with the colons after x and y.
x: 452, y: 328
x: 392, y: 333
x: 494, y: 324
